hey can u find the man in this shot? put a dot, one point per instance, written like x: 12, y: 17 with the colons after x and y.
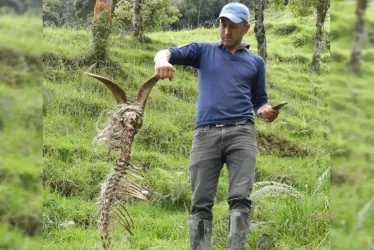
x: 231, y: 85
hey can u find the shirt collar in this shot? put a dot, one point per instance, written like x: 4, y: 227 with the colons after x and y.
x: 243, y: 45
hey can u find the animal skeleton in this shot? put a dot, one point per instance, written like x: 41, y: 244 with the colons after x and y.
x: 125, y: 121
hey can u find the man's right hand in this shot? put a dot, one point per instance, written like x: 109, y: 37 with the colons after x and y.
x: 164, y: 70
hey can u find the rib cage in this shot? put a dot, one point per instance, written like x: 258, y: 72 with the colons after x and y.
x: 127, y: 122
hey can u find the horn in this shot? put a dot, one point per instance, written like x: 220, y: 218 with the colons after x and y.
x: 118, y: 93
x: 144, y: 91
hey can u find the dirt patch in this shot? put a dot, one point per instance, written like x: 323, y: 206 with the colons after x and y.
x: 338, y: 177
x: 8, y: 56
x: 275, y: 145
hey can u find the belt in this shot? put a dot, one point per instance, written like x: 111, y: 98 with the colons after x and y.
x: 242, y: 122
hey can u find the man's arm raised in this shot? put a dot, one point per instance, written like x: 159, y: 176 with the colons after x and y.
x: 163, y: 69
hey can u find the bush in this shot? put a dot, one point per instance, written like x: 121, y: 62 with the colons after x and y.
x: 285, y: 29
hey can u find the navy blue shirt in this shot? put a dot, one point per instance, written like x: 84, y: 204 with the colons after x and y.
x: 230, y: 85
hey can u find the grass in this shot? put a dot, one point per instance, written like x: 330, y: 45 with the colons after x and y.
x: 74, y: 169
x: 25, y: 40
x: 352, y: 138
x: 21, y: 128
x: 293, y: 150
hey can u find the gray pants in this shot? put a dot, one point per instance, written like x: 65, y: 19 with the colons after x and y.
x: 211, y: 148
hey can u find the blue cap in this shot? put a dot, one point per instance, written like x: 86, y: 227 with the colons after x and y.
x: 236, y: 12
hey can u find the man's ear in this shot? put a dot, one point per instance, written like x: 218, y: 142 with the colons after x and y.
x: 247, y: 26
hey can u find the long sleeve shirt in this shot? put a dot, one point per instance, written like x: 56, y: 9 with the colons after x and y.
x: 231, y: 86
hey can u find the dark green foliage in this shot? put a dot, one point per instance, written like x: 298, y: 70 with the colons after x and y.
x: 101, y: 28
x: 303, y: 40
x: 84, y: 9
x: 197, y: 13
x: 285, y: 29
x: 59, y: 13
x: 21, y: 6
x: 155, y: 15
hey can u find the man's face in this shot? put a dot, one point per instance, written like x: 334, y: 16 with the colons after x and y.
x: 232, y: 33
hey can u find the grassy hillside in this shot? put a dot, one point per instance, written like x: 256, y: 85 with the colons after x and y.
x: 20, y: 133
x: 352, y: 190
x: 294, y: 150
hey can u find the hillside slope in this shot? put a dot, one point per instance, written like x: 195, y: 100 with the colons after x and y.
x: 21, y: 128
x: 294, y: 150
x: 352, y: 151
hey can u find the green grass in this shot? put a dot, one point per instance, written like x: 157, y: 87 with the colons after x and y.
x: 24, y: 40
x: 352, y: 134
x: 21, y: 128
x: 293, y: 150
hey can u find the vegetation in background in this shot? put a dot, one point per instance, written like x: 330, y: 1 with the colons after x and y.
x: 101, y: 29
x: 352, y: 189
x: 20, y: 7
x: 361, y: 6
x: 260, y: 28
x: 21, y: 129
x: 155, y: 15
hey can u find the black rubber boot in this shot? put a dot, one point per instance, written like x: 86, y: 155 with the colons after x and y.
x: 238, y: 230
x: 200, y: 233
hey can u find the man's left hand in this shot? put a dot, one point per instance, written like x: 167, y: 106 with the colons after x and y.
x: 267, y: 113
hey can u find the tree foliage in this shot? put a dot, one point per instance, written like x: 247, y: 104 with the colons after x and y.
x: 101, y: 29
x: 303, y: 8
x: 20, y: 6
x: 59, y: 12
x: 196, y: 13
x: 155, y: 15
x: 84, y: 9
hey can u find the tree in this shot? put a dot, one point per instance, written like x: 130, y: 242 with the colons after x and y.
x: 199, y: 12
x: 322, y: 6
x: 361, y: 6
x: 137, y: 20
x: 260, y: 28
x: 154, y: 14
x: 101, y: 27
x: 84, y: 10
x: 302, y: 8
x: 59, y: 12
